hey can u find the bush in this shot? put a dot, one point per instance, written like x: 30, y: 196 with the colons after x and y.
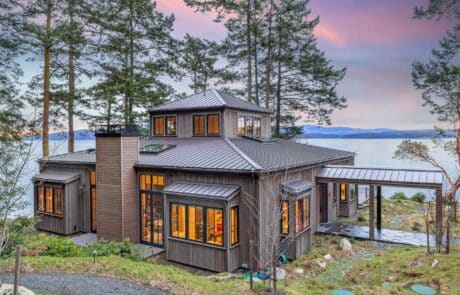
x: 123, y: 249
x: 416, y: 226
x: 418, y: 197
x: 398, y: 196
x: 59, y: 247
x: 19, y: 229
x: 361, y: 218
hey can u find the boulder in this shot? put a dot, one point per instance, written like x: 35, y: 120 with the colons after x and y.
x: 327, y: 257
x: 298, y: 270
x: 7, y: 289
x: 321, y: 263
x: 346, y: 245
x: 280, y: 274
x: 435, y: 262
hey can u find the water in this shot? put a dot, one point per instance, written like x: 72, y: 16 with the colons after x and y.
x: 369, y: 152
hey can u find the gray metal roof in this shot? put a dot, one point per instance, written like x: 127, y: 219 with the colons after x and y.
x: 388, y: 176
x: 281, y: 154
x: 296, y: 186
x: 197, y: 154
x: 56, y: 176
x: 209, y: 99
x: 205, y: 190
x: 80, y: 157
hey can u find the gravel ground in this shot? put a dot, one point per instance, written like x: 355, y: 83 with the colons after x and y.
x: 79, y: 284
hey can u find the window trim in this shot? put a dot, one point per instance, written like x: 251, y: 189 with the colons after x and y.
x: 91, y: 187
x: 154, y: 127
x: 237, y: 229
x: 204, y: 127
x: 218, y: 124
x: 303, y: 227
x: 165, y: 128
x: 346, y: 192
x: 288, y: 215
x: 53, y: 187
x: 152, y: 190
x: 205, y: 225
x: 246, y: 116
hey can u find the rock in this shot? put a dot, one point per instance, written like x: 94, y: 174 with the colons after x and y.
x: 321, y: 263
x: 299, y: 271
x: 346, y: 245
x: 391, y: 279
x: 7, y: 289
x: 435, y: 262
x: 280, y: 274
x: 327, y: 257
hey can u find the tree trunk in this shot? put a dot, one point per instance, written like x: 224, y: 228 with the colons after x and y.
x: 109, y: 113
x: 194, y: 82
x: 46, y: 83
x: 131, y: 63
x: 278, y: 92
x: 256, y: 72
x: 70, y: 104
x: 269, y: 58
x: 249, y: 51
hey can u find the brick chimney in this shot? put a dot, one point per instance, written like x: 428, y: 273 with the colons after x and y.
x: 117, y: 206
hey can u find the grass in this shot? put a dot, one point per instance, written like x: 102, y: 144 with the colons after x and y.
x: 364, y: 271
x: 401, y: 214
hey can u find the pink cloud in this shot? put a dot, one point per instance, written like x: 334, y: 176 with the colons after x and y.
x: 324, y: 32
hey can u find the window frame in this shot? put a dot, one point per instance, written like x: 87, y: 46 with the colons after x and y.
x: 238, y: 133
x: 204, y: 124
x: 299, y: 228
x: 205, y: 224
x: 334, y: 193
x: 154, y: 129
x: 93, y: 188
x: 185, y: 220
x: 284, y: 233
x: 53, y: 188
x: 243, y: 130
x: 218, y: 124
x: 233, y: 227
x: 166, y: 131
x: 346, y: 192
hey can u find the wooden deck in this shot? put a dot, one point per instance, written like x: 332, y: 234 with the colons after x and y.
x: 383, y: 235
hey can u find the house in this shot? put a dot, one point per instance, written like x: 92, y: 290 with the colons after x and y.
x: 208, y: 183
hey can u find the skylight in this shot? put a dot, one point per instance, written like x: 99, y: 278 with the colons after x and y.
x: 259, y: 138
x: 155, y: 148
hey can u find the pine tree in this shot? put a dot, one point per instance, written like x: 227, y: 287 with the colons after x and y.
x: 198, y: 61
x: 135, y: 51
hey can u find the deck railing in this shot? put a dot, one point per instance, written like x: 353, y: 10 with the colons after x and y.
x: 122, y: 130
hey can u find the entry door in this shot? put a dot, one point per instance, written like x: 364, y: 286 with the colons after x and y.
x: 152, y: 218
x: 323, y: 205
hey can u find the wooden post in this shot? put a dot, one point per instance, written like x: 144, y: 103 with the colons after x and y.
x: 427, y: 224
x: 379, y: 208
x: 274, y: 269
x: 438, y: 220
x: 16, y: 270
x: 371, y: 212
x: 251, y: 243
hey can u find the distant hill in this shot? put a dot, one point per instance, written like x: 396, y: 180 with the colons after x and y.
x: 81, y: 134
x: 313, y: 131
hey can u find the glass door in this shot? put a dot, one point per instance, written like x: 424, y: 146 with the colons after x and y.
x: 146, y: 218
x: 157, y: 219
x: 152, y: 218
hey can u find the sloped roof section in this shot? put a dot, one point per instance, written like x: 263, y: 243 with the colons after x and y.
x: 281, y: 154
x: 209, y: 99
x: 81, y: 157
x: 383, y: 176
x: 205, y: 190
x: 296, y: 186
x: 58, y: 176
x: 196, y: 154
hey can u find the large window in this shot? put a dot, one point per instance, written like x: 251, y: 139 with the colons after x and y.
x: 200, y: 224
x: 285, y: 217
x: 93, y: 199
x: 343, y: 192
x: 149, y: 182
x: 213, y: 123
x: 199, y: 125
x: 256, y: 126
x: 240, y: 129
x: 151, y: 201
x: 302, y: 214
x: 178, y: 221
x: 49, y: 200
x: 158, y: 126
x: 171, y: 125
x: 195, y: 223
x: 249, y: 126
x: 234, y: 225
x: 334, y: 193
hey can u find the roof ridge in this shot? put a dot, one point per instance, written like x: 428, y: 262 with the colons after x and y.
x: 219, y: 97
x: 242, y: 154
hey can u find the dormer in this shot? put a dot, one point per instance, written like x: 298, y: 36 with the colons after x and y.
x: 211, y: 113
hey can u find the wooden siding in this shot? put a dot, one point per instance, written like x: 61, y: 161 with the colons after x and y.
x: 117, y: 203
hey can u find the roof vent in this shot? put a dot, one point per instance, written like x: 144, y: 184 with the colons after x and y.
x: 155, y: 148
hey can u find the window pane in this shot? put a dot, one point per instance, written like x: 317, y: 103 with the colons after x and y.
x: 93, y: 177
x: 343, y: 192
x: 249, y: 126
x: 234, y: 225
x: 213, y: 124
x: 178, y: 220
x: 334, y: 192
x: 306, y: 212
x: 148, y: 182
x: 171, y: 125
x: 49, y: 200
x: 285, y: 218
x: 93, y: 209
x: 298, y: 215
x: 198, y: 125
x: 214, y: 227
x: 146, y: 218
x: 240, y: 130
x: 160, y: 183
x: 57, y: 201
x: 158, y: 126
x: 195, y: 223
x: 256, y: 126
x: 142, y: 181
x: 41, y: 199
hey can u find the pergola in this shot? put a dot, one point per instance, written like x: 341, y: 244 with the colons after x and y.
x: 378, y: 177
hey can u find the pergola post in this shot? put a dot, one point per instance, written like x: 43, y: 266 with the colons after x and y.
x: 438, y: 220
x: 371, y: 212
x: 379, y: 208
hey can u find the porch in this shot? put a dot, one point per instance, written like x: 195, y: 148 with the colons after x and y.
x: 375, y: 178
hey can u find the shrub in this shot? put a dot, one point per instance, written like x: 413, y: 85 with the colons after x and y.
x: 361, y: 218
x: 416, y: 226
x: 123, y: 249
x: 399, y: 196
x: 18, y: 231
x: 418, y: 197
x: 60, y: 247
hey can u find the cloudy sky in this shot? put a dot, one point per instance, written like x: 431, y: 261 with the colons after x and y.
x: 376, y: 40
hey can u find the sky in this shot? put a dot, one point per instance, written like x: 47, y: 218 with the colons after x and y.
x: 376, y: 41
